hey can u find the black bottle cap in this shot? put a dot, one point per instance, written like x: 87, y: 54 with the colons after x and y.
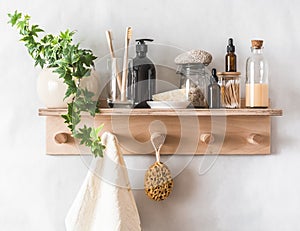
x: 230, y: 46
x: 141, y: 46
x: 214, y: 75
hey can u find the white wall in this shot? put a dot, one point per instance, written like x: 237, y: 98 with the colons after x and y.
x: 238, y: 193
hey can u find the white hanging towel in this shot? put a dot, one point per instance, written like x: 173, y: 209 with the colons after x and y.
x: 105, y: 201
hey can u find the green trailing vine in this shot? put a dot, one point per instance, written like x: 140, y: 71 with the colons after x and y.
x: 72, y: 64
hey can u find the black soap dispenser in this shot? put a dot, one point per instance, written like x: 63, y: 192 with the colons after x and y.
x: 144, y: 75
x: 213, y: 91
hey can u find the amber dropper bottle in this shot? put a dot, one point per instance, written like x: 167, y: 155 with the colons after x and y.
x: 230, y: 58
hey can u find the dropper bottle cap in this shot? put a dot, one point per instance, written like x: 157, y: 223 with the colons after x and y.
x: 230, y: 46
x: 214, y: 76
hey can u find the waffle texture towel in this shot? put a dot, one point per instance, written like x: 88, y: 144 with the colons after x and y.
x: 105, y: 201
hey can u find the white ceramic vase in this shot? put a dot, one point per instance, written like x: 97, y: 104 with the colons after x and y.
x: 51, y: 89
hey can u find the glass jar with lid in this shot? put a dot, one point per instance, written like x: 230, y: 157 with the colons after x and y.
x: 194, y: 78
x: 230, y: 83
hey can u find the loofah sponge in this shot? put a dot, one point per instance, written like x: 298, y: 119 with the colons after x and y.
x: 158, y: 182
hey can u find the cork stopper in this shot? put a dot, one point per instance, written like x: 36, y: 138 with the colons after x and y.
x: 257, y: 43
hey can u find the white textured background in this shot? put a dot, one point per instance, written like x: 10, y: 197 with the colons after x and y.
x: 238, y: 193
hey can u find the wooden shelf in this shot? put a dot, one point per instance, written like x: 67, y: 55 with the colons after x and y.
x: 168, y: 112
x: 189, y: 131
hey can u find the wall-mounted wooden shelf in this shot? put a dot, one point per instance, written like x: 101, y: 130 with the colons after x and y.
x: 189, y: 131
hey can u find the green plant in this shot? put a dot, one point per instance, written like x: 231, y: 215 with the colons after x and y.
x: 72, y: 64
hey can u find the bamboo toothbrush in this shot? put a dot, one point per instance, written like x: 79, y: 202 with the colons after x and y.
x: 128, y: 36
x: 112, y: 54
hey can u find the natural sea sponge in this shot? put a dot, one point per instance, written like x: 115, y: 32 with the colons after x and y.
x: 158, y: 182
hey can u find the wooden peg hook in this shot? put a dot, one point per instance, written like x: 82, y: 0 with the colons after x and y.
x: 254, y: 138
x: 61, y: 137
x: 207, y: 138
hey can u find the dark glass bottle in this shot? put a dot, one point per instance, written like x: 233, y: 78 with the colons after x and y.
x: 230, y: 57
x: 213, y: 91
x: 144, y: 75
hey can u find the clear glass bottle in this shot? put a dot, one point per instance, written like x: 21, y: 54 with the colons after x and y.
x: 194, y: 79
x: 257, y: 82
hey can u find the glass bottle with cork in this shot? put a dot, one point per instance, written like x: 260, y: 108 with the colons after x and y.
x: 257, y: 83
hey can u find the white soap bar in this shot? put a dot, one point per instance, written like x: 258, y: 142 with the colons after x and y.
x: 174, y: 95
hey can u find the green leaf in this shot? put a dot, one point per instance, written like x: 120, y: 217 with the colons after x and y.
x: 84, y: 135
x: 81, y: 71
x: 88, y: 59
x: 70, y: 54
x: 14, y: 18
x: 67, y: 118
x: 67, y: 35
x: 64, y: 73
x: 35, y: 29
x: 95, y: 132
x: 71, y: 90
x: 39, y: 61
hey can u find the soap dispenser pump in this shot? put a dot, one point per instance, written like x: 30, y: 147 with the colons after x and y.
x: 144, y: 75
